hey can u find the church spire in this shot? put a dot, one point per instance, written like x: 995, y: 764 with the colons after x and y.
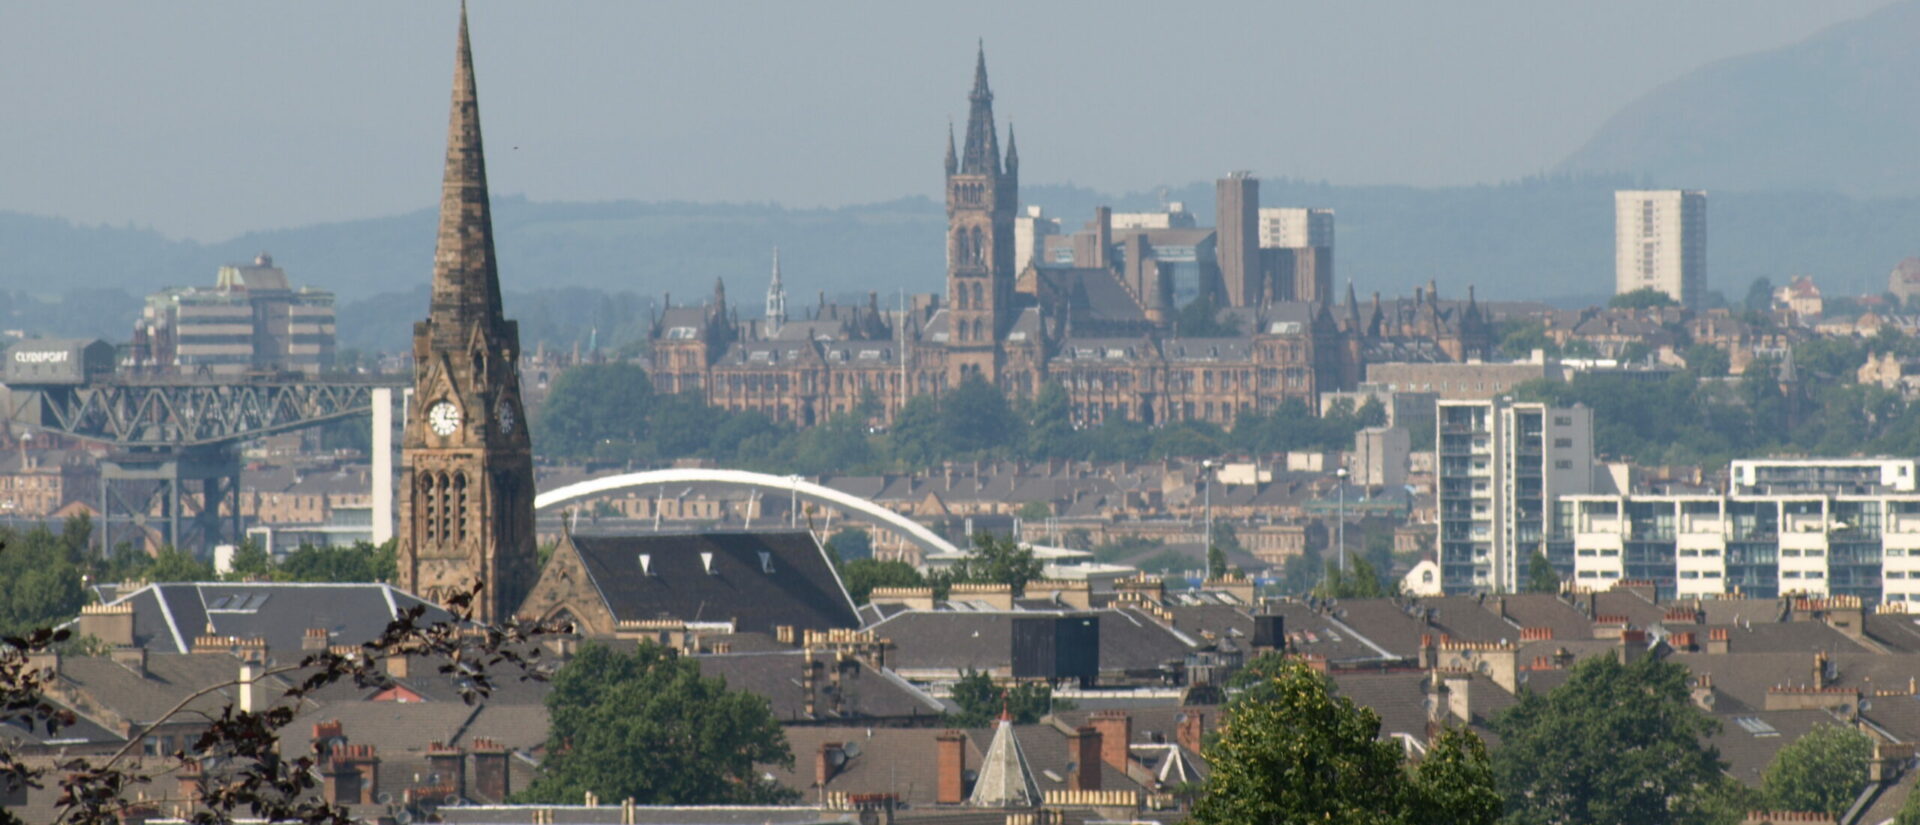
x: 466, y: 278
x: 982, y: 153
x: 776, y: 299
x: 1013, y: 152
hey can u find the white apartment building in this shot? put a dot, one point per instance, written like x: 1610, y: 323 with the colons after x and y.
x: 1660, y: 241
x: 1846, y: 527
x: 1764, y: 546
x: 1500, y: 463
x: 1291, y: 227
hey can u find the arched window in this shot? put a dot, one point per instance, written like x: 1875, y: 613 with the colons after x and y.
x: 460, y: 507
x: 443, y: 491
x: 428, y: 504
x: 979, y: 254
x: 977, y: 303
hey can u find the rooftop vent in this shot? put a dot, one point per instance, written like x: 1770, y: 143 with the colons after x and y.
x: 766, y: 562
x: 646, y: 564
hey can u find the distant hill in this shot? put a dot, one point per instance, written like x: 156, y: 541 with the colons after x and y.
x: 574, y: 270
x: 1833, y: 112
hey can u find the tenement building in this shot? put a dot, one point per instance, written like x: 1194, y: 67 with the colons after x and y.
x: 1095, y: 311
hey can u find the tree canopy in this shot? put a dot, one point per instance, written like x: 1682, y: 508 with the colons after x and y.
x: 1615, y: 743
x: 861, y: 576
x: 1822, y: 771
x: 981, y: 701
x: 1291, y: 750
x: 1645, y: 297
x: 996, y: 560
x: 647, y: 725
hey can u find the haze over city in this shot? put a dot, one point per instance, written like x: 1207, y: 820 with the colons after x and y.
x: 208, y: 120
x: 1480, y: 413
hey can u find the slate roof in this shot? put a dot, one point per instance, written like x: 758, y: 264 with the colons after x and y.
x: 867, y: 693
x: 983, y: 640
x: 168, y: 617
x: 1747, y: 752
x: 759, y: 581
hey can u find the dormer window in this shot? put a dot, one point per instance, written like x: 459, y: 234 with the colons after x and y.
x: 706, y: 561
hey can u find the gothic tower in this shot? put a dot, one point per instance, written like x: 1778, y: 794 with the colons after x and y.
x: 466, y: 504
x: 776, y: 299
x: 982, y: 195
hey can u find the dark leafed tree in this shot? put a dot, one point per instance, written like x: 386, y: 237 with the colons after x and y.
x: 1615, y: 743
x: 245, y: 772
x: 647, y: 726
x: 1290, y: 750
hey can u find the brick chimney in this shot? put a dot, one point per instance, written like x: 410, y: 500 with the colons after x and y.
x: 112, y: 624
x: 1717, y: 641
x: 1083, y: 746
x: 314, y: 640
x: 450, y: 763
x: 490, y: 780
x: 1116, y: 734
x: 823, y: 766
x: 950, y: 786
x: 339, y: 779
x: 1820, y: 679
x: 1192, y: 731
x: 191, y: 784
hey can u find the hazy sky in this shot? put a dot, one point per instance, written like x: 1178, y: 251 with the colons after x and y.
x: 207, y: 119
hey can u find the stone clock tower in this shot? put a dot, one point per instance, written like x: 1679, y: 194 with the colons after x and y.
x: 466, y: 500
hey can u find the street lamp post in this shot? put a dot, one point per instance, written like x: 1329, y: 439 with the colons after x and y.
x: 1207, y: 497
x: 1340, y: 527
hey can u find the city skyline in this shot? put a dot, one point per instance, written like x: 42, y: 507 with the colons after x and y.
x: 714, y: 125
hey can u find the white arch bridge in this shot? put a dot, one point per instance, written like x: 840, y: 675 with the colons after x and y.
x: 794, y: 486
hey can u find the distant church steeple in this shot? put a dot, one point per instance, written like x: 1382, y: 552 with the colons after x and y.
x: 981, y: 197
x: 776, y: 299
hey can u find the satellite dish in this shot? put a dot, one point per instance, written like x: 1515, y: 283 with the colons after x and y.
x: 837, y: 757
x: 452, y: 799
x: 1072, y: 766
x: 851, y: 749
x: 383, y: 798
x: 1707, y: 700
x: 402, y: 816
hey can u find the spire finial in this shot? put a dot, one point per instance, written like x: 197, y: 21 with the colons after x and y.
x: 1013, y: 152
x: 466, y: 279
x: 981, y: 154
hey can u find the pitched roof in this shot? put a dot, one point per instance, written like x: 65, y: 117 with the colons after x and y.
x: 168, y: 617
x: 758, y: 581
x: 983, y: 639
x: 858, y: 692
x: 1004, y: 780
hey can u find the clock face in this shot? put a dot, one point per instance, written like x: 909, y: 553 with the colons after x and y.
x: 444, y: 418
x: 503, y: 412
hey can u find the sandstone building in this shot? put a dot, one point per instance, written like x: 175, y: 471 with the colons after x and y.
x: 1093, y: 311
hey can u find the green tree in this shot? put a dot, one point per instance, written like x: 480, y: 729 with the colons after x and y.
x: 981, y: 701
x: 861, y: 576
x: 1645, y: 297
x: 1036, y: 511
x: 996, y: 560
x: 594, y: 405
x: 1707, y: 361
x: 1049, y: 417
x: 173, y: 565
x: 250, y: 561
x: 1822, y: 771
x: 1454, y: 784
x: 850, y: 544
x: 40, y: 584
x: 975, y: 417
x: 1909, y: 811
x: 681, y: 424
x: 1360, y: 581
x: 1541, y: 577
x: 647, y: 725
x: 359, y: 562
x: 1615, y: 743
x: 1291, y: 750
x: 1216, y: 561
